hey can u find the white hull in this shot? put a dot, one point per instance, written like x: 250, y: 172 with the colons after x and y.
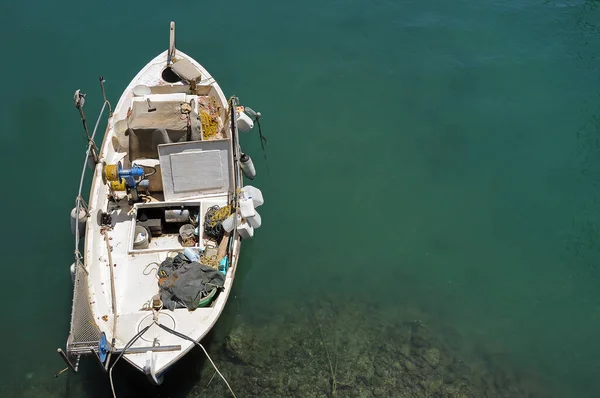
x: 133, y: 280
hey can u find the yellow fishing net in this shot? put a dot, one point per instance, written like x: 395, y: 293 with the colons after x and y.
x: 209, y: 117
x: 210, y: 125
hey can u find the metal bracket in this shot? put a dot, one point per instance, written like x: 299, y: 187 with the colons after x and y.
x: 99, y: 360
x: 67, y: 360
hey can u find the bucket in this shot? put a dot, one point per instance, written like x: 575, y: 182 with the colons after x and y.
x: 120, y: 140
x: 207, y: 300
x: 141, y: 90
x: 186, y: 233
x: 120, y: 127
x: 140, y: 238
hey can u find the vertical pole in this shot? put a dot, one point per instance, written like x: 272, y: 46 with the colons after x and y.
x: 236, y: 162
x: 113, y: 292
x: 171, y: 53
x: 104, y: 95
x: 79, y: 102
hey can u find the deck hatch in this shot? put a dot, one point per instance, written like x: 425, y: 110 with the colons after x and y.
x: 196, y: 168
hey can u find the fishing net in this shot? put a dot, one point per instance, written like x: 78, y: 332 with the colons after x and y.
x: 209, y: 110
x: 213, y: 219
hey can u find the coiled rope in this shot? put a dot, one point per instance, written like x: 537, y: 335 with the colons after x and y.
x: 215, y: 215
x: 211, y: 261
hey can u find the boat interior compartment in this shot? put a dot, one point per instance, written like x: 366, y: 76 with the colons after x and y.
x: 154, y: 119
x: 173, y: 226
x: 160, y: 119
x: 160, y: 226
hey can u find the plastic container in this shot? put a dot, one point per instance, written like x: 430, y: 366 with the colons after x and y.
x: 140, y: 238
x: 244, y: 123
x: 247, y: 207
x: 186, y: 233
x: 228, y: 223
x: 255, y: 221
x: 191, y: 254
x: 177, y: 215
x: 245, y: 231
x: 253, y: 193
x: 224, y: 265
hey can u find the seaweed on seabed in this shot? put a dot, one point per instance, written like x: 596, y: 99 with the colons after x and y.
x: 332, y: 368
x: 333, y: 363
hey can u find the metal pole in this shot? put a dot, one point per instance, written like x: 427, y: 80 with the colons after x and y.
x: 112, y: 284
x: 138, y: 350
x: 104, y: 96
x: 79, y: 99
x: 91, y: 145
x: 235, y: 144
x: 171, y: 53
x: 66, y: 359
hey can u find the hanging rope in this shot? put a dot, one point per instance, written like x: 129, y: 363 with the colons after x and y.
x: 129, y: 344
x: 263, y: 139
x: 180, y: 335
x: 183, y: 336
x: 263, y: 142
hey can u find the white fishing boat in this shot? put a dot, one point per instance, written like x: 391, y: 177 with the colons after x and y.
x: 166, y: 215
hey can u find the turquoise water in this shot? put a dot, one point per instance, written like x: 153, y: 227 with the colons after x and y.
x: 436, y: 162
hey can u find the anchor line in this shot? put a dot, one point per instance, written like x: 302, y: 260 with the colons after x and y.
x: 175, y: 333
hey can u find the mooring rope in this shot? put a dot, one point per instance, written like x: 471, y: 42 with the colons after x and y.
x: 183, y: 336
x: 129, y: 344
x: 180, y: 335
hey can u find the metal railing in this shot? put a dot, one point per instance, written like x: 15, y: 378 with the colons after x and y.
x: 84, y: 334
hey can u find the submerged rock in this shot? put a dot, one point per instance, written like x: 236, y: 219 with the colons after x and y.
x: 313, y: 354
x: 238, y: 344
x: 432, y: 356
x: 409, y: 366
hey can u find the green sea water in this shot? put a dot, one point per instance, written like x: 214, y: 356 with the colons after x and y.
x: 438, y: 161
